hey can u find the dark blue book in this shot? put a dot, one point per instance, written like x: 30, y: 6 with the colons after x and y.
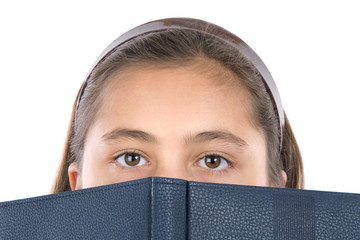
x: 163, y: 208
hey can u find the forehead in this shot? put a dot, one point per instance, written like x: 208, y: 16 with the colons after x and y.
x: 188, y: 82
x: 201, y: 72
x: 198, y: 91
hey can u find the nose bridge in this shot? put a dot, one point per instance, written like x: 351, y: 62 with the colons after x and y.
x: 171, y: 167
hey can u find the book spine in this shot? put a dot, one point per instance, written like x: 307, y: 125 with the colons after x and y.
x: 168, y: 209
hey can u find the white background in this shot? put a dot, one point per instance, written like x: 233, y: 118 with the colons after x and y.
x: 312, y: 49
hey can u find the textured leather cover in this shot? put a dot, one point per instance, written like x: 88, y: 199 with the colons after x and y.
x: 163, y: 208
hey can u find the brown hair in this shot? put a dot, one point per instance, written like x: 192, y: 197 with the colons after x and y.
x: 171, y: 48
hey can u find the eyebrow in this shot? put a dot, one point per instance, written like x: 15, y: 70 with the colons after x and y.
x: 207, y: 136
x: 129, y: 133
x: 215, y: 136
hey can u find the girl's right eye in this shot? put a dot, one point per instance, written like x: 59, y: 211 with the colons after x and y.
x: 131, y: 159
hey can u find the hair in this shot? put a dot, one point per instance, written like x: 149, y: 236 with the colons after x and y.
x: 173, y: 48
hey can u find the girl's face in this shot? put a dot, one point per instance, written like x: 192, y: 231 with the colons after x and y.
x: 188, y: 122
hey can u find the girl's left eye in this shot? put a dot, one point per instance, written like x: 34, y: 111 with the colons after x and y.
x: 131, y: 159
x: 214, y: 162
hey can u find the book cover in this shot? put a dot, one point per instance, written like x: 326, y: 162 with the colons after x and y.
x: 164, y: 208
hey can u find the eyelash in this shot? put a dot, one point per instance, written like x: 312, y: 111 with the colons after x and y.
x: 218, y: 155
x: 135, y: 152
x: 204, y: 156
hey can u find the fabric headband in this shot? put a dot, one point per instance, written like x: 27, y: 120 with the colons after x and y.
x: 202, y: 28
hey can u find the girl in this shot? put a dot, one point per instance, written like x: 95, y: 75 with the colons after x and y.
x: 179, y: 98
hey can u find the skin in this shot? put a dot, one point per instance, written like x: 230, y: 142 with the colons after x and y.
x: 173, y: 119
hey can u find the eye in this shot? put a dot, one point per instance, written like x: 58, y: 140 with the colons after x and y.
x: 131, y: 159
x: 214, y: 161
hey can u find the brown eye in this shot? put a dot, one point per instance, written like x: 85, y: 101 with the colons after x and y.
x: 213, y: 162
x: 131, y: 159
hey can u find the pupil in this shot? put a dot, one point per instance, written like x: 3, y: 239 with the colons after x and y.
x: 132, y: 159
x: 212, y: 161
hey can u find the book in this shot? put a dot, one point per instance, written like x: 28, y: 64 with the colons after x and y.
x: 165, y: 208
